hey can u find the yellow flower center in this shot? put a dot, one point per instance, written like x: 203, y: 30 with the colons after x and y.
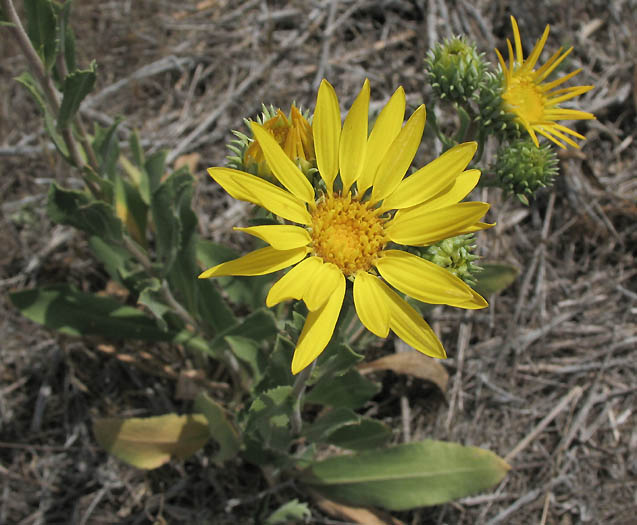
x: 525, y: 97
x: 347, y: 233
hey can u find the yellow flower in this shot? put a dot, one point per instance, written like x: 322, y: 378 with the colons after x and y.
x: 293, y: 134
x: 534, y: 102
x: 342, y: 233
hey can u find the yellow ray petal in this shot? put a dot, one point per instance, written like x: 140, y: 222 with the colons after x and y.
x: 318, y: 329
x: 259, y: 262
x: 407, y: 324
x: 354, y: 138
x: 246, y: 187
x: 537, y: 50
x: 279, y: 236
x: 399, y: 156
x: 426, y: 281
x: 431, y: 179
x: 385, y: 130
x: 453, y: 194
x: 282, y: 166
x: 323, y: 282
x: 478, y: 226
x: 518, y: 43
x: 294, y: 283
x: 420, y: 226
x: 326, y: 128
x: 370, y: 304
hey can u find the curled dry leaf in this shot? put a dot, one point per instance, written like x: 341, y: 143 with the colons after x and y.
x: 410, y: 363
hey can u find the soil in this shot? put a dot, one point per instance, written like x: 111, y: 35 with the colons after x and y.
x: 546, y: 377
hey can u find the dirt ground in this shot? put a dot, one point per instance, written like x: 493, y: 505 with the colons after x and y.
x: 546, y: 377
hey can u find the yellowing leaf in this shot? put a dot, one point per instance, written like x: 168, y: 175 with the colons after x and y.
x: 150, y: 442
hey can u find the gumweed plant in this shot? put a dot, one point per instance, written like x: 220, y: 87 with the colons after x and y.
x: 367, y: 241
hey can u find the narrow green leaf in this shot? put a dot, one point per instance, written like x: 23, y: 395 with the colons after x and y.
x: 27, y: 80
x: 77, y: 209
x: 221, y: 430
x: 407, y: 476
x: 72, y: 312
x: 148, y: 443
x: 106, y: 147
x: 77, y: 85
x: 65, y: 35
x: 174, y: 220
x: 494, y: 278
x: 42, y: 29
x: 155, y: 167
x: 350, y: 390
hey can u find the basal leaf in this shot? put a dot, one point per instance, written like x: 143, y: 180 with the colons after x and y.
x: 407, y: 476
x: 350, y: 390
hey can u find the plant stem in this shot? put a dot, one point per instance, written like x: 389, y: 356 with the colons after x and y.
x: 300, y: 385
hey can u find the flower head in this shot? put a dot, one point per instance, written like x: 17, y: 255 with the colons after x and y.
x: 293, y: 133
x: 341, y: 231
x: 455, y: 69
x: 535, y: 102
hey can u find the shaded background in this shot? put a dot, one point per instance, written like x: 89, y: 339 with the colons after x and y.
x: 561, y: 339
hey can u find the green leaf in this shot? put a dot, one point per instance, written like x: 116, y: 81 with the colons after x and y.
x: 350, y: 390
x: 248, y: 351
x: 365, y: 434
x: 174, y: 220
x: 79, y: 210
x: 221, y: 430
x: 152, y: 299
x: 279, y: 368
x: 27, y: 80
x: 319, y: 430
x: 259, y: 326
x: 65, y: 35
x: 407, y: 476
x: 106, y: 147
x: 77, y: 85
x: 267, y: 427
x: 155, y: 167
x: 249, y: 291
x: 150, y: 442
x: 130, y: 209
x: 335, y: 360
x: 494, y: 278
x: 72, y: 312
x: 290, y: 512
x: 42, y: 29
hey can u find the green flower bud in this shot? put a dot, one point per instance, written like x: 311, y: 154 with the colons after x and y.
x: 521, y: 168
x: 455, y: 255
x: 293, y: 134
x: 492, y: 113
x: 455, y: 69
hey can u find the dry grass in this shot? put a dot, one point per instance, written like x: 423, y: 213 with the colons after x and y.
x: 546, y: 377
